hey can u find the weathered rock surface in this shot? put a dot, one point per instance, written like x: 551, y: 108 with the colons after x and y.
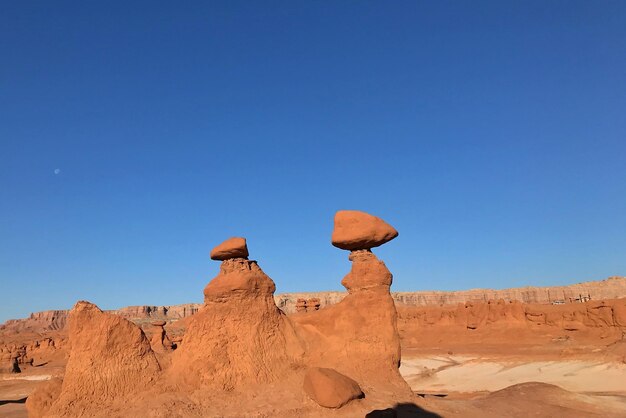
x: 254, y: 342
x: 356, y: 230
x: 358, y: 336
x: 329, y: 388
x: 109, y: 358
x: 235, y: 247
x: 9, y: 363
x: 510, y: 314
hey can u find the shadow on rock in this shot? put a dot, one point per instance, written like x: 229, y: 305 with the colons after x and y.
x: 402, y: 410
x: 23, y: 400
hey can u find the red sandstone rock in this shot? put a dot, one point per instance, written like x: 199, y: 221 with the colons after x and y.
x: 356, y: 230
x: 231, y: 248
x: 313, y: 304
x: 301, y: 305
x: 9, y: 364
x: 110, y: 358
x: 358, y: 336
x: 44, y: 396
x: 330, y: 388
x: 254, y: 343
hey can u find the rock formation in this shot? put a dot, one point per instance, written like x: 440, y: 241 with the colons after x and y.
x: 240, y: 345
x: 110, y: 358
x: 358, y: 337
x: 9, y: 363
x: 330, y: 388
x: 476, y: 315
x: 160, y: 340
x: 254, y: 342
x: 301, y: 305
x: 313, y: 304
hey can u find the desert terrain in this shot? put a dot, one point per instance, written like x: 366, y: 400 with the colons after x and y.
x: 558, y: 351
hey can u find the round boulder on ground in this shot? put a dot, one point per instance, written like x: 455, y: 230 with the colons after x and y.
x: 329, y: 388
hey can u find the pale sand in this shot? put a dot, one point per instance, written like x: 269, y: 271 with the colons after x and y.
x: 32, y: 377
x: 463, y: 374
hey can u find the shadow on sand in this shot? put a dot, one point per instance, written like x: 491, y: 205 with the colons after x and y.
x: 23, y: 400
x: 402, y: 410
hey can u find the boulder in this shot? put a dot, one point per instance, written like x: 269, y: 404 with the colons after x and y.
x: 329, y: 388
x: 356, y: 230
x: 231, y: 248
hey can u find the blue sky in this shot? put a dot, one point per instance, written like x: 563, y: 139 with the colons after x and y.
x: 492, y: 135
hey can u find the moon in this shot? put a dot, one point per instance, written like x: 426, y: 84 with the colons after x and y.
x: 57, y: 170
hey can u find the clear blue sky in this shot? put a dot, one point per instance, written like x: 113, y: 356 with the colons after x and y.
x: 492, y: 135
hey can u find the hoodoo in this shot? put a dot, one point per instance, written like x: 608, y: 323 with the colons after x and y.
x: 254, y: 342
x: 358, y: 337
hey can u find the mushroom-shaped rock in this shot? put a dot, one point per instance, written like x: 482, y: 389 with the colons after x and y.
x: 231, y: 248
x: 356, y: 230
x: 329, y: 388
x: 159, y: 323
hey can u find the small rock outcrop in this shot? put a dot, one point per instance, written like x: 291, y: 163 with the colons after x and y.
x: 313, y: 304
x: 301, y: 305
x: 235, y: 247
x: 329, y: 388
x: 356, y: 230
x: 9, y: 363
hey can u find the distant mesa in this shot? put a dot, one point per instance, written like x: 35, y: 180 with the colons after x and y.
x: 356, y: 230
x: 231, y: 248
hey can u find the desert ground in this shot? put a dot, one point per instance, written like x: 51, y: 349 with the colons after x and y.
x: 543, y: 352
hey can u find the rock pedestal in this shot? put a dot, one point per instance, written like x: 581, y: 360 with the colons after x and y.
x: 254, y: 342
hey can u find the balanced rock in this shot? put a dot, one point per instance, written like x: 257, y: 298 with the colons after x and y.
x: 329, y: 388
x: 356, y: 230
x: 239, y: 338
x: 231, y: 248
x: 160, y: 340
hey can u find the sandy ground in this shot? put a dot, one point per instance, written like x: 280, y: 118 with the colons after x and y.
x: 15, y: 388
x: 445, y: 374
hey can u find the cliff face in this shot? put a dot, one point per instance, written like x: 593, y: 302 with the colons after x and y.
x: 611, y: 288
x: 474, y: 315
